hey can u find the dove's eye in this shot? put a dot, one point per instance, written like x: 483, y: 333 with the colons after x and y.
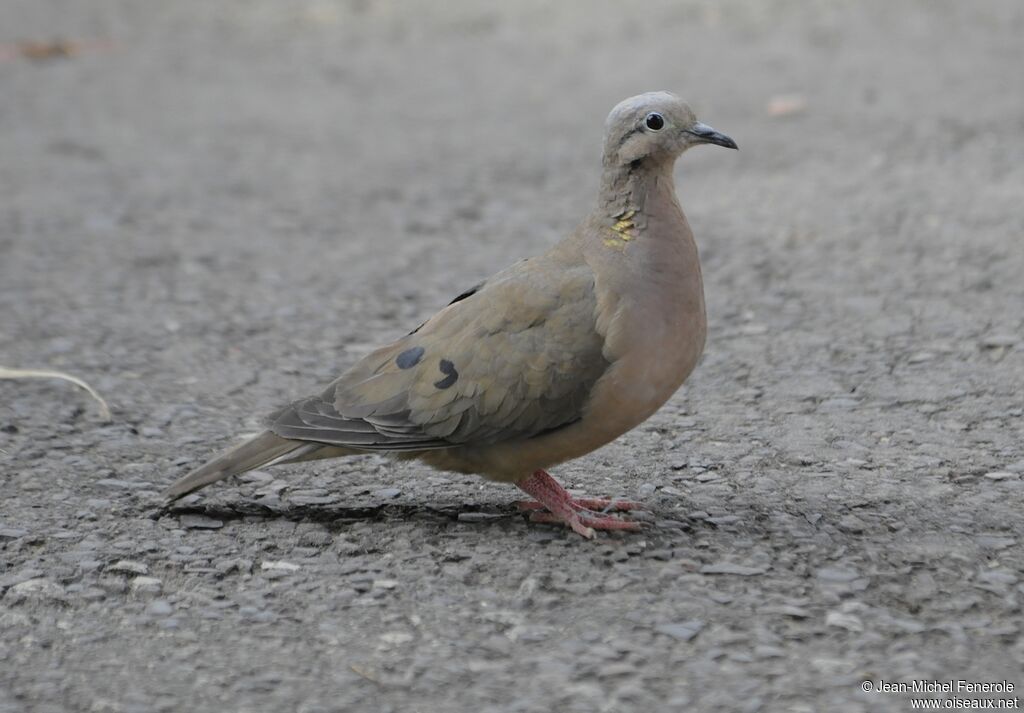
x: 654, y: 121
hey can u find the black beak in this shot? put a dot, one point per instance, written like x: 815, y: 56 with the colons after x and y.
x: 708, y: 135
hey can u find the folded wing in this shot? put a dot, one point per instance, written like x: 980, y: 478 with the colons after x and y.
x: 516, y: 358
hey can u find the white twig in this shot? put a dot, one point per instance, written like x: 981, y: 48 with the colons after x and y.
x: 6, y: 373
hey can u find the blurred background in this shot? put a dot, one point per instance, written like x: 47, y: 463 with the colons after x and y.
x: 161, y: 158
x: 208, y: 208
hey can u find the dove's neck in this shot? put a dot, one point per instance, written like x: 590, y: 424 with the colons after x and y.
x: 641, y: 186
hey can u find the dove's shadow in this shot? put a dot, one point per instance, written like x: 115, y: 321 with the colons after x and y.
x: 336, y: 516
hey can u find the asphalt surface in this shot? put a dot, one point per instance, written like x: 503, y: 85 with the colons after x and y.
x: 211, y: 208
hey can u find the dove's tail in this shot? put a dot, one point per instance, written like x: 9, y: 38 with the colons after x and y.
x: 259, y: 450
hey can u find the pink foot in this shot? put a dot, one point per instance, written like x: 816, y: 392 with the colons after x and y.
x: 583, y: 515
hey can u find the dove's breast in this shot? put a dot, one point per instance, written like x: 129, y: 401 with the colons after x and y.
x: 654, y: 325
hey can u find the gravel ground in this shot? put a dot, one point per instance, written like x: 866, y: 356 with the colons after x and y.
x: 211, y: 208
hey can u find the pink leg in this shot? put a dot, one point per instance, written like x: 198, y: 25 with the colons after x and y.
x: 577, y: 514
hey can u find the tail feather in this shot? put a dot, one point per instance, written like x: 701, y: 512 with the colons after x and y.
x: 255, y: 452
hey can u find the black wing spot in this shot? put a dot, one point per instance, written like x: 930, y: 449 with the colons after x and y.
x: 468, y: 293
x: 451, y: 375
x: 409, y: 358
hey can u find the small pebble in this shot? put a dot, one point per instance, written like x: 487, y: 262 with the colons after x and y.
x: 39, y: 588
x: 117, y: 483
x: 232, y: 565
x: 478, y: 516
x: 997, y: 341
x: 851, y: 524
x: 200, y: 522
x: 316, y: 538
x: 93, y: 594
x: 617, y: 669
x: 731, y: 568
x: 662, y: 554
x: 765, y: 651
x: 129, y: 567
x: 787, y: 610
x: 146, y: 585
x: 850, y: 622
x: 272, y: 488
x: 997, y: 576
x: 256, y: 476
x: 836, y: 574
x: 279, y: 566
x: 838, y: 404
x: 396, y: 638
x: 682, y: 630
x: 313, y: 500
x: 160, y: 607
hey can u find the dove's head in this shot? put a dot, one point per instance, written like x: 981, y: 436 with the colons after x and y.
x: 655, y: 126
